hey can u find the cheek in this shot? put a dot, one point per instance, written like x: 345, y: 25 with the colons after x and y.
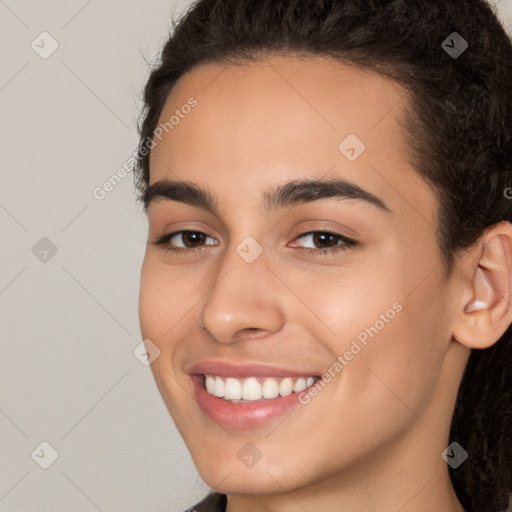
x: 161, y: 306
x: 389, y: 342
x: 165, y: 298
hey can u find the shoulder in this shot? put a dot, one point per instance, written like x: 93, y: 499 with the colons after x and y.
x: 212, y: 503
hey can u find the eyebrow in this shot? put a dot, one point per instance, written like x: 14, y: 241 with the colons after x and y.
x: 289, y: 194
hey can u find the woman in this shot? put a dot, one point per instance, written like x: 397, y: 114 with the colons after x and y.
x: 328, y: 268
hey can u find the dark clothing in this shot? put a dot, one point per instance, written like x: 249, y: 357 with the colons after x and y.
x: 212, y: 503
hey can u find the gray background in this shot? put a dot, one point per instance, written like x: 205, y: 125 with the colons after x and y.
x: 68, y: 374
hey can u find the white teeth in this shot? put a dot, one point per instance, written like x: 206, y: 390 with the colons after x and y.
x: 210, y: 384
x: 250, y: 389
x: 232, y: 389
x: 286, y: 387
x: 300, y: 385
x: 219, y: 387
x: 270, y: 388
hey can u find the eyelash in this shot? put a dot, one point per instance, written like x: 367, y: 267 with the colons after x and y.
x: 348, y: 243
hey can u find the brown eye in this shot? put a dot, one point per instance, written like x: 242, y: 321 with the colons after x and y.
x: 323, y: 239
x: 326, y: 241
x: 191, y: 238
x: 182, y: 241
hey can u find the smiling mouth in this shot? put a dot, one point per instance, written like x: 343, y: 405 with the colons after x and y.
x: 252, y: 389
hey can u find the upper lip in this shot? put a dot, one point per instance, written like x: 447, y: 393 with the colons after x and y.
x: 241, y: 370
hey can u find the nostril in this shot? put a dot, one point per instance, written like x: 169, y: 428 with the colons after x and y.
x: 252, y: 332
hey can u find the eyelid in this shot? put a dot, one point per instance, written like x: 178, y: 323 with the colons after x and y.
x: 341, y: 236
x: 347, y: 243
x: 166, y: 237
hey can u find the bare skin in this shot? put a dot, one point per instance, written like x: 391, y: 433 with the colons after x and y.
x: 371, y: 439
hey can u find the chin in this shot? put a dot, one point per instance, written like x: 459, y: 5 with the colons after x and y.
x: 231, y: 476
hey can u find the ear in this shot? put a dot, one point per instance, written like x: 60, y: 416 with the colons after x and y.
x: 485, y: 309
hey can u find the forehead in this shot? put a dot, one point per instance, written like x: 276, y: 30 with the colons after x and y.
x: 284, y: 117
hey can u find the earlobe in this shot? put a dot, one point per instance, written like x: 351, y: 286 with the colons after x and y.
x: 486, y: 316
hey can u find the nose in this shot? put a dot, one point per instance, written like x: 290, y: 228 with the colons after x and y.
x: 243, y: 300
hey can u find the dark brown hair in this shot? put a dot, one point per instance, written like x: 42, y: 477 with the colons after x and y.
x: 458, y: 127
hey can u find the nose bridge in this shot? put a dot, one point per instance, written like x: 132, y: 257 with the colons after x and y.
x: 240, y: 296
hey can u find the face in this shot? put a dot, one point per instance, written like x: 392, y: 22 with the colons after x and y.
x: 311, y: 257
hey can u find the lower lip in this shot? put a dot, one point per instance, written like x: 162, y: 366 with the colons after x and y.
x: 245, y: 414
